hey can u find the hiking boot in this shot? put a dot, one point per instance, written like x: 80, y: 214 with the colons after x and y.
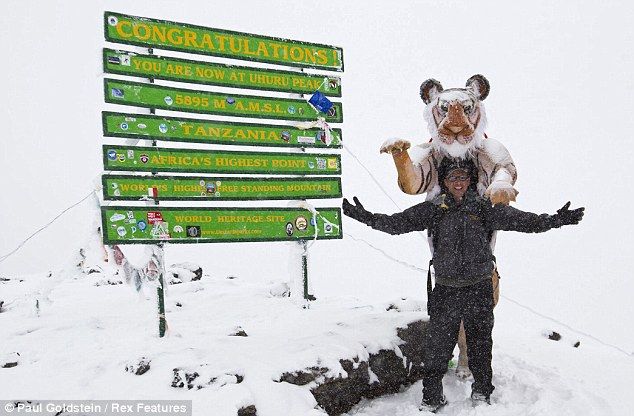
x: 477, y: 398
x: 432, y: 406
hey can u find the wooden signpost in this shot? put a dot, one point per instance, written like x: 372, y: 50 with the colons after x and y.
x: 284, y: 174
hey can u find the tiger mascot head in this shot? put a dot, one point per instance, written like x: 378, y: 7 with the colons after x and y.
x: 456, y: 117
x: 456, y: 120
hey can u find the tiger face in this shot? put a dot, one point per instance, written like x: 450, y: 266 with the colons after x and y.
x: 456, y: 117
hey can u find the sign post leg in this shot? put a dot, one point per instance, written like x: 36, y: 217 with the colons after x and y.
x: 160, y: 292
x: 307, y: 296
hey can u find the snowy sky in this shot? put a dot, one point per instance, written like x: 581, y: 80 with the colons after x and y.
x: 560, y: 100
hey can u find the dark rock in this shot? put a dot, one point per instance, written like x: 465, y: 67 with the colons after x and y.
x: 1, y: 303
x: 6, y: 280
x: 232, y: 277
x: 185, y: 272
x: 173, y: 280
x: 248, y: 411
x: 413, y: 348
x: 301, y: 378
x: 109, y: 282
x: 576, y: 344
x: 338, y: 395
x: 180, y: 305
x: 139, y: 368
x: 181, y: 377
x: 194, y: 379
x: 555, y: 336
x: 239, y: 332
x: 390, y: 370
x: 10, y: 360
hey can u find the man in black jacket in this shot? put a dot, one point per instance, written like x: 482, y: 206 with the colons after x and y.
x: 460, y: 223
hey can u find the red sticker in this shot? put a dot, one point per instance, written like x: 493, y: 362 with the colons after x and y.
x: 154, y: 216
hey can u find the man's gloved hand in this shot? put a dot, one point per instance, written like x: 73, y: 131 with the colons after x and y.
x: 357, y: 211
x: 564, y: 216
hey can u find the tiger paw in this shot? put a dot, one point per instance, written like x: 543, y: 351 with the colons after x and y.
x: 394, y: 146
x: 500, y: 192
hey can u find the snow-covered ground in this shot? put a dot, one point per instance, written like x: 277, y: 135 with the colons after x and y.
x: 560, y: 100
x: 85, y: 330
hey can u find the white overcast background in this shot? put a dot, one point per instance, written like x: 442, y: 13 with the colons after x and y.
x: 561, y: 100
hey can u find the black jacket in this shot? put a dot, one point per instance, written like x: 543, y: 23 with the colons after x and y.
x: 461, y: 233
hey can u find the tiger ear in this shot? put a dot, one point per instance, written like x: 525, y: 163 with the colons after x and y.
x: 429, y: 90
x: 479, y: 85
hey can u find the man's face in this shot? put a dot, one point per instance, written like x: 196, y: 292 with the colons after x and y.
x: 457, y: 182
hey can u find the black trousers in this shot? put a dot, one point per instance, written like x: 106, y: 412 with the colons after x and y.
x: 447, y: 307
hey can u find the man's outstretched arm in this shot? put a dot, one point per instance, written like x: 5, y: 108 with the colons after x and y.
x: 416, y: 218
x: 507, y: 218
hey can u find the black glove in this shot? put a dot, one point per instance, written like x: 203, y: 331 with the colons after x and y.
x: 564, y: 216
x: 357, y: 211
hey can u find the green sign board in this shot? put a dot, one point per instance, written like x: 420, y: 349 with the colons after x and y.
x: 143, y: 126
x: 128, y: 187
x: 180, y: 99
x: 182, y: 37
x: 146, y: 225
x: 173, y: 69
x: 156, y: 159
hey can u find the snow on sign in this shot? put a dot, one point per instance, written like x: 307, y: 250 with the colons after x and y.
x: 162, y: 34
x: 147, y: 225
x: 199, y: 188
x: 179, y: 99
x: 156, y: 159
x: 143, y: 126
x: 174, y: 69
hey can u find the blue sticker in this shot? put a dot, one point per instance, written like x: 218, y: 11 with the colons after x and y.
x: 116, y: 92
x: 124, y: 126
x: 320, y: 102
x: 142, y: 225
x: 114, y: 60
x: 230, y: 100
x: 112, y: 154
x: 291, y: 109
x: 163, y: 128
